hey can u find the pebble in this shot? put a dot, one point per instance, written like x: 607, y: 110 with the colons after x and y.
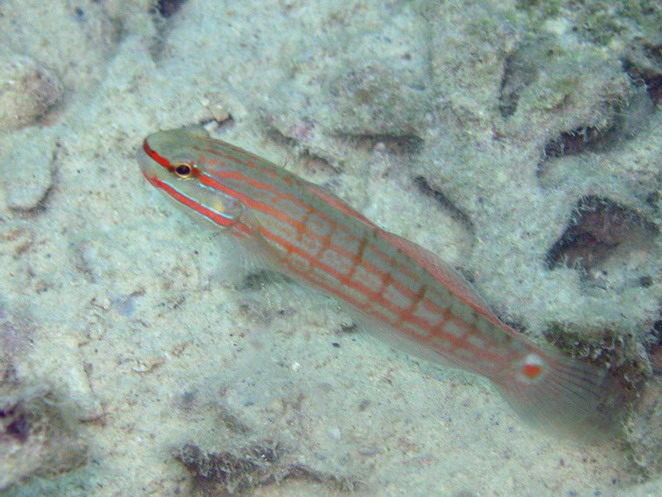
x: 27, y: 91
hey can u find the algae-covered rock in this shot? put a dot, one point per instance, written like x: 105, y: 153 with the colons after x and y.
x: 73, y: 38
x: 556, y: 84
x: 644, y: 430
x: 469, y: 43
x: 244, y: 469
x: 377, y: 101
x: 27, y: 90
x: 35, y: 439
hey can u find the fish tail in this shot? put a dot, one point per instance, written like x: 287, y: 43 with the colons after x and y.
x: 570, y: 397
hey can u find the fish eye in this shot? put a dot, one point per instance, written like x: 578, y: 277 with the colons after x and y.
x: 183, y: 169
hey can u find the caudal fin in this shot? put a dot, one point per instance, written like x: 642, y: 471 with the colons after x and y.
x: 572, y: 398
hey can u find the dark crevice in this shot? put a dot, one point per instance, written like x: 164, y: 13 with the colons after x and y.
x: 318, y: 167
x: 455, y: 213
x: 508, y: 99
x: 521, y: 69
x: 19, y: 428
x: 651, y: 78
x: 578, y: 140
x: 655, y: 346
x: 168, y: 8
x: 653, y: 199
x: 517, y: 75
x: 599, y: 229
x: 162, y: 12
x: 606, y: 349
x: 626, y: 122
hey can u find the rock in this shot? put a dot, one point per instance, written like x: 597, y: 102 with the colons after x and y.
x: 27, y: 91
x: 644, y: 430
x: 74, y: 38
x: 377, y: 101
x: 35, y: 439
x: 31, y: 176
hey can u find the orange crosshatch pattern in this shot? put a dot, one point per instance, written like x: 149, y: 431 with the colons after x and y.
x: 404, y: 290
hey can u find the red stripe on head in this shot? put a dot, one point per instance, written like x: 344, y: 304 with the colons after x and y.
x: 155, y: 156
x: 191, y: 204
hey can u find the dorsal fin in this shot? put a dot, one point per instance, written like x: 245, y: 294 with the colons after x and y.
x: 338, y: 203
x: 442, y: 271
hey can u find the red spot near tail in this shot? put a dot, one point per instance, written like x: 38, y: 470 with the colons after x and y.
x: 531, y: 371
